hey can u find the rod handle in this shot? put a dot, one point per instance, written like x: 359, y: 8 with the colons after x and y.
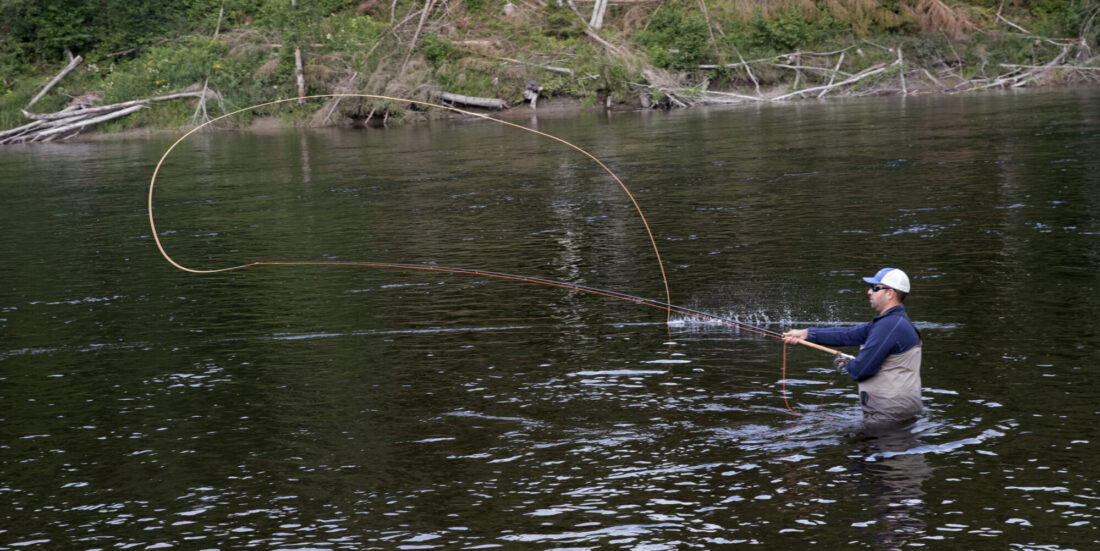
x: 824, y: 349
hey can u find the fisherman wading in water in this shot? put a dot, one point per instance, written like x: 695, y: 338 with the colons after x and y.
x: 887, y: 368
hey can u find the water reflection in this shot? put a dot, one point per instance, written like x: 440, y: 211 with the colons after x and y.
x: 895, y: 471
x: 348, y: 409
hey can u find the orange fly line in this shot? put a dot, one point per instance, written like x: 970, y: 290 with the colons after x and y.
x: 667, y: 305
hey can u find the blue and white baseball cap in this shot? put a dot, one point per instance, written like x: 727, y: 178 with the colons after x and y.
x: 890, y: 277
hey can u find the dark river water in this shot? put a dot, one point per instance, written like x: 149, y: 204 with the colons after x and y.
x: 345, y: 407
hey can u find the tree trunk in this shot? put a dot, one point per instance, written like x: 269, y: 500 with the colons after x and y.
x: 300, y: 74
x: 598, y: 11
x: 901, y: 71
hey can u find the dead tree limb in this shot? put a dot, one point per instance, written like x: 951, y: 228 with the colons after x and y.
x: 811, y: 68
x: 1029, y: 34
x: 591, y: 33
x: 901, y: 71
x: 20, y: 130
x: 69, y: 112
x: 344, y: 88
x: 1074, y: 67
x: 710, y: 29
x: 1034, y: 73
x: 71, y: 120
x: 551, y: 68
x: 797, y: 73
x: 72, y: 65
x: 88, y: 122
x: 832, y: 77
x: 598, y: 11
x: 713, y: 96
x: 1017, y: 77
x: 752, y: 77
x: 487, y: 103
x: 933, y: 79
x: 873, y: 70
x: 416, y: 35
x: 200, y: 116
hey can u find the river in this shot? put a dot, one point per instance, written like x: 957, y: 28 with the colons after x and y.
x: 356, y: 407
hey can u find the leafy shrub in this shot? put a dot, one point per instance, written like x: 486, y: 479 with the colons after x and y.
x: 675, y: 40
x: 1059, y: 18
x: 437, y: 49
x: 560, y: 22
x: 48, y: 27
x: 782, y: 35
x: 863, y: 17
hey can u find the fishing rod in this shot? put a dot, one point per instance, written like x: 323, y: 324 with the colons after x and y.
x: 666, y: 305
x: 670, y: 308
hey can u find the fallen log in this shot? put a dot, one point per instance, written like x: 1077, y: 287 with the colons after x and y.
x: 1073, y: 67
x: 69, y: 111
x: 714, y: 96
x: 71, y: 120
x: 487, y: 103
x: 811, y: 68
x: 34, y: 125
x: 1034, y: 73
x: 32, y: 132
x: 89, y: 122
x: 934, y: 79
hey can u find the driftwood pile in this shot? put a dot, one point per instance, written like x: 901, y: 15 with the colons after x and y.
x: 80, y: 114
x: 1075, y: 62
x: 894, y: 78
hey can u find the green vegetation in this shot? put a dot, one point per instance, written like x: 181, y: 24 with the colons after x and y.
x: 245, y: 49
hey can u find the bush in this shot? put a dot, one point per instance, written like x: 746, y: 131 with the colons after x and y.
x: 561, y: 22
x: 48, y: 27
x: 782, y: 35
x: 437, y: 49
x: 675, y: 40
x: 1057, y: 18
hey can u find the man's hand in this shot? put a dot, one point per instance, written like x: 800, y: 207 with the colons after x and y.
x: 840, y: 364
x: 795, y: 335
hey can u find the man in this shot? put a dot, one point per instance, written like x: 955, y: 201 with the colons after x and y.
x: 888, y: 365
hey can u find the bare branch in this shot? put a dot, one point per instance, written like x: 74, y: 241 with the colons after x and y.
x: 72, y: 65
x: 873, y: 70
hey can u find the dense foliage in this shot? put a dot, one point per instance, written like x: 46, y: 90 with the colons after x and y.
x: 244, y: 49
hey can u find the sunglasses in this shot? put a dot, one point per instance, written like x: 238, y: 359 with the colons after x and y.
x: 877, y: 288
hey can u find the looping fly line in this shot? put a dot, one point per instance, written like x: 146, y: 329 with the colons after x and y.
x: 156, y: 171
x: 667, y: 305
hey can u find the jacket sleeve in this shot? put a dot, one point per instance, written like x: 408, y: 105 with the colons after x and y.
x: 880, y: 343
x: 839, y: 336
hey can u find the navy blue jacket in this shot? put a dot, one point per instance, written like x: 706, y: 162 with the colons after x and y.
x: 888, y: 333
